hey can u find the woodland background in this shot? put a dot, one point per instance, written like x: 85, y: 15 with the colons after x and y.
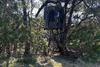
x: 21, y: 32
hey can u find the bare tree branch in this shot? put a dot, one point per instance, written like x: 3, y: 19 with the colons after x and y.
x: 83, y: 20
x: 69, y: 20
x: 46, y: 2
x: 79, y: 3
x: 65, y: 12
x: 78, y: 25
x: 86, y: 4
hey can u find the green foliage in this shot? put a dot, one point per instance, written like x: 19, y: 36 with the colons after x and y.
x: 15, y: 32
x: 15, y: 6
x: 85, y: 42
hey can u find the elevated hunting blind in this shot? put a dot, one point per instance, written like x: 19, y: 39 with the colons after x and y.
x: 53, y: 18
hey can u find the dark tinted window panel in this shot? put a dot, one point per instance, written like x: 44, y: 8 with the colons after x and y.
x: 52, y: 18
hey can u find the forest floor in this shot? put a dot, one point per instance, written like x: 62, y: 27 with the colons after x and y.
x: 56, y: 60
x: 62, y: 61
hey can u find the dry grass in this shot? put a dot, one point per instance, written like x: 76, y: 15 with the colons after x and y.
x: 63, y: 62
x: 55, y: 61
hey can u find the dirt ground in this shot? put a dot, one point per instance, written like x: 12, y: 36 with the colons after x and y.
x: 56, y: 61
x: 61, y: 61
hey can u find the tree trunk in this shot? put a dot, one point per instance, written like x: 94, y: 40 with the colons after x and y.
x: 15, y: 48
x: 27, y: 49
x: 61, y: 49
x: 27, y: 45
x: 8, y: 51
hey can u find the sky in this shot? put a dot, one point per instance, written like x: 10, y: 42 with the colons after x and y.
x: 36, y: 0
x: 36, y: 9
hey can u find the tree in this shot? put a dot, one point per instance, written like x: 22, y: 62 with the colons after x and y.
x: 5, y: 16
x: 71, y: 17
x: 27, y: 45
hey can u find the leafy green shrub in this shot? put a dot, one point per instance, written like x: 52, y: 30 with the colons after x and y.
x: 85, y: 42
